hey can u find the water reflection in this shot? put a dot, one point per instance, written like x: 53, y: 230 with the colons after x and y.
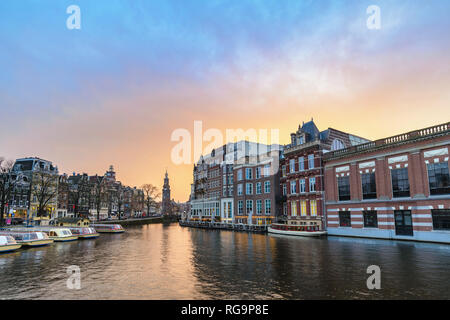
x: 169, y: 262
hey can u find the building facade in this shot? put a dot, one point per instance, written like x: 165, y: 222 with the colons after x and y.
x: 302, y: 184
x: 256, y: 189
x: 213, y: 193
x: 35, y: 197
x: 392, y: 188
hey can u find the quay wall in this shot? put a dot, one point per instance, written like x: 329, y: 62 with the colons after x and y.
x: 134, y: 222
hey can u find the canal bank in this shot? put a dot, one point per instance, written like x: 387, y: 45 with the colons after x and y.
x: 134, y: 222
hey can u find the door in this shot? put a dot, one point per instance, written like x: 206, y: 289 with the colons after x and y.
x: 403, y: 223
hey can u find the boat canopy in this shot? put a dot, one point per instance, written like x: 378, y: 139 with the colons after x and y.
x: 25, y: 236
x: 5, y: 240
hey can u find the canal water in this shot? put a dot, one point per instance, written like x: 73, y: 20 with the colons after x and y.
x: 171, y: 262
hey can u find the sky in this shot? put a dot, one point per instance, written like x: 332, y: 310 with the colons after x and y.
x: 114, y: 91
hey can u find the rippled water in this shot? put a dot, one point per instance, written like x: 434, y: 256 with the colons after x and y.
x: 170, y: 262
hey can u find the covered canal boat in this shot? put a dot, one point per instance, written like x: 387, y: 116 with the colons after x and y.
x: 8, y: 244
x: 108, y: 228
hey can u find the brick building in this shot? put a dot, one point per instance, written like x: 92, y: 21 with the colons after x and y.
x: 213, y: 189
x: 256, y: 189
x: 392, y: 188
x: 302, y: 186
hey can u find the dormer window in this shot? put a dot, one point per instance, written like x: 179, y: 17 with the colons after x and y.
x: 337, y: 145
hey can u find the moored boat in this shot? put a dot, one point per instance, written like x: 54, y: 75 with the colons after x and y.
x: 304, y: 231
x: 8, y: 244
x: 84, y: 232
x: 29, y: 238
x: 58, y: 234
x: 108, y: 228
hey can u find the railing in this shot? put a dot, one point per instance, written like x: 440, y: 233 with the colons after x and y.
x: 301, y: 146
x: 438, y: 129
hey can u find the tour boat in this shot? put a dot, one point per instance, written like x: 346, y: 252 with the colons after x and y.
x: 84, y: 232
x: 57, y: 234
x: 8, y: 244
x: 28, y: 238
x: 108, y: 228
x: 305, y: 231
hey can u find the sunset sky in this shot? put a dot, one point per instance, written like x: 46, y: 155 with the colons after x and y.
x: 115, y: 90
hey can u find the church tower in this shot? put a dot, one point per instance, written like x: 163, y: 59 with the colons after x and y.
x: 166, y: 202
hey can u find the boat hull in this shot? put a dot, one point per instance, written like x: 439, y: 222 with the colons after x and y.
x: 37, y: 243
x: 110, y: 231
x: 64, y: 239
x: 297, y: 233
x: 9, y: 248
x: 88, y: 236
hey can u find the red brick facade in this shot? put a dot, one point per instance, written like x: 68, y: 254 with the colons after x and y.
x: 416, y: 153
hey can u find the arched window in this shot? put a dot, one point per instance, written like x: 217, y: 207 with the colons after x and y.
x: 337, y: 144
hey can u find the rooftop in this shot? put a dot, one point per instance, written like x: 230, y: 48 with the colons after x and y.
x: 401, y: 139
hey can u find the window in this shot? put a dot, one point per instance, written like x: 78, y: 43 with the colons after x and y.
x: 310, y: 161
x: 441, y: 219
x: 370, y: 219
x: 293, y: 187
x: 313, y: 207
x: 257, y: 172
x: 302, y: 186
x: 312, y: 184
x: 224, y: 179
x: 239, y: 175
x: 248, y: 173
x: 266, y: 186
x: 249, y: 188
x: 438, y: 178
x: 285, y: 209
x: 293, y: 208
x: 266, y: 170
x: 368, y: 186
x: 400, y: 182
x: 258, y: 206
x: 303, y: 207
x: 344, y: 188
x: 239, y: 189
x: 292, y: 165
x: 283, y: 170
x: 258, y: 188
x: 240, y: 207
x: 249, y: 206
x: 284, y: 189
x: 337, y: 144
x: 267, y: 206
x: 301, y: 163
x: 344, y: 219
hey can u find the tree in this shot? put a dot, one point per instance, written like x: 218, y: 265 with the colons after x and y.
x: 151, y: 193
x: 45, y: 189
x: 79, y: 193
x: 7, y: 184
x: 98, y: 194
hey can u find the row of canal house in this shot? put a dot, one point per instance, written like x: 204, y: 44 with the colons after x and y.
x: 392, y: 188
x: 237, y: 183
